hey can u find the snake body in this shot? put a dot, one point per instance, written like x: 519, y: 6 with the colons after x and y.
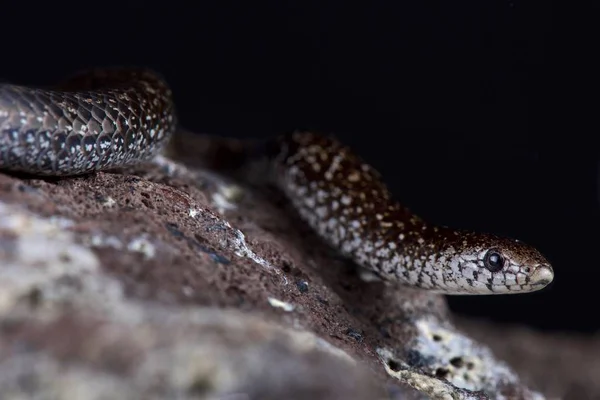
x: 345, y: 200
x: 98, y: 119
x: 110, y: 118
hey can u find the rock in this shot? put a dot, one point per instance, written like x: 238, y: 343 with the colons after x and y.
x: 164, y: 281
x: 69, y: 330
x: 562, y: 365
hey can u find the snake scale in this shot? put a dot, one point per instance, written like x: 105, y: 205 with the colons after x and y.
x: 115, y: 117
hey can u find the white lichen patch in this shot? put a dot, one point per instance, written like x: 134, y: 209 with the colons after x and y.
x: 109, y: 202
x: 435, y: 388
x: 441, y: 350
x: 193, y: 212
x: 101, y: 240
x: 281, y: 304
x: 143, y: 246
x: 221, y: 203
x: 43, y: 257
x: 241, y: 249
x: 139, y: 244
x: 234, y: 240
x: 226, y: 197
x: 465, y: 363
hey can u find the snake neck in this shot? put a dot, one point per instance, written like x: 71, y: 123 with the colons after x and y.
x: 346, y: 202
x: 377, y: 233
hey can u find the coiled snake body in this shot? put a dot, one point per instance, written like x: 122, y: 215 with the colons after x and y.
x: 108, y: 118
x: 98, y: 119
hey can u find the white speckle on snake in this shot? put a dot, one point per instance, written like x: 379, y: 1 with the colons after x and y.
x: 345, y: 201
x: 98, y: 119
x: 107, y: 118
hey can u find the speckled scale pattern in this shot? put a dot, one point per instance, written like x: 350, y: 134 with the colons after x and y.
x: 346, y: 202
x: 114, y: 117
x: 98, y: 119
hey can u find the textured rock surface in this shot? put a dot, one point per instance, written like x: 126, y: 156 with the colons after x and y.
x: 167, y: 283
x: 563, y: 366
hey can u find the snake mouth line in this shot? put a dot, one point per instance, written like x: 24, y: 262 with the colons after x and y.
x: 542, y: 276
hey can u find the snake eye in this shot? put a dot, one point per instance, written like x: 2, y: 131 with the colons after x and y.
x: 493, y: 261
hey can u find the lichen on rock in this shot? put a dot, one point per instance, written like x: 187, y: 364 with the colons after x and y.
x: 173, y: 281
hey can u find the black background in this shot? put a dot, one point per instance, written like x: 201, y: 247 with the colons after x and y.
x: 475, y: 112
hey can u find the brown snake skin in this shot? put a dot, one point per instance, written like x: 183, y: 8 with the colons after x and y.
x: 108, y: 118
x: 98, y: 119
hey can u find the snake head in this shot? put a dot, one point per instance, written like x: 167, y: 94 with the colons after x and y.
x: 475, y: 263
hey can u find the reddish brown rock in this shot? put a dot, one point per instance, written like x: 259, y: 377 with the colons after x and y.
x: 162, y: 281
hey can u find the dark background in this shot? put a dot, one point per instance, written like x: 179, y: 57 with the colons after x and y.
x: 474, y: 111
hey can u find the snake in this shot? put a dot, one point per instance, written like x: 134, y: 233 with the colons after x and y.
x: 105, y: 118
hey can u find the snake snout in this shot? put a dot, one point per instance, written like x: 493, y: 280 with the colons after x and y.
x: 542, y: 275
